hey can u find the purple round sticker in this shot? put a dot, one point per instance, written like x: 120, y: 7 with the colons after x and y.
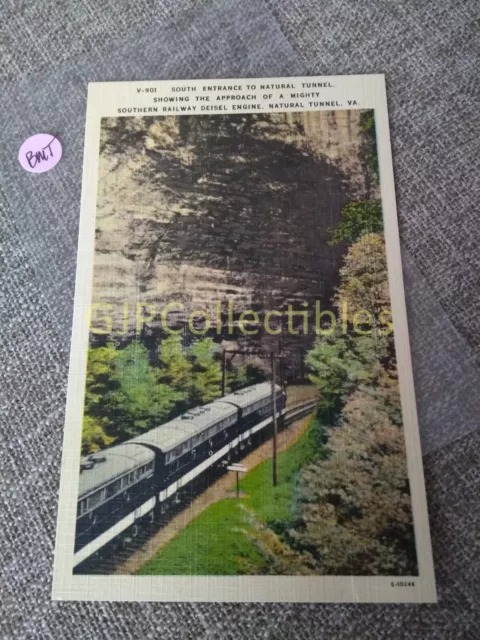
x: 40, y: 152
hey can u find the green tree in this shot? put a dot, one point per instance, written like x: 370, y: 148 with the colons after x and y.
x: 339, y: 364
x: 99, y: 385
x: 356, y: 516
x: 124, y: 396
x: 355, y: 509
x: 99, y: 378
x: 364, y: 278
x: 140, y: 402
x: 358, y: 218
x: 195, y: 372
x: 94, y: 434
x: 175, y: 368
x: 206, y: 377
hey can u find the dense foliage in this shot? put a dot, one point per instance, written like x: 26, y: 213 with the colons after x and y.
x: 358, y: 218
x: 339, y: 364
x: 354, y: 508
x: 364, y: 278
x: 127, y: 394
x: 356, y: 516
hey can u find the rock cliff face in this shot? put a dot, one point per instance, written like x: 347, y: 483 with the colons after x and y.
x: 202, y: 210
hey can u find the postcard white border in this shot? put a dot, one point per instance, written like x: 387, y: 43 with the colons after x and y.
x: 104, y: 99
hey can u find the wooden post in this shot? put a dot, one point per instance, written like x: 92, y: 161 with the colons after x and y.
x: 238, y: 468
x: 274, y: 404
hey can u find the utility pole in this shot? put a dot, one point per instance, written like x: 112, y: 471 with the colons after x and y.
x: 224, y: 372
x: 274, y: 401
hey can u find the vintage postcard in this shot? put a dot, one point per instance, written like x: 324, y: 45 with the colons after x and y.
x: 241, y: 421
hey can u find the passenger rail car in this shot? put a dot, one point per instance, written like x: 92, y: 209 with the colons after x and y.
x: 255, y: 403
x: 123, y: 485
x: 116, y: 490
x: 181, y: 444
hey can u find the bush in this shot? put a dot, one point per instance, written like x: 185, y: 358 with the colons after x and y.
x: 357, y: 219
x: 356, y: 517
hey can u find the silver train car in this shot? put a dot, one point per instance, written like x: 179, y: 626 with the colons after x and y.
x: 124, y: 486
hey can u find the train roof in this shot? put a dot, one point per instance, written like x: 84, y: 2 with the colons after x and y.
x: 111, y: 464
x: 167, y: 436
x: 249, y: 395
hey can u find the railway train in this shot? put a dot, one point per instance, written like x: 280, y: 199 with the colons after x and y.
x: 127, y: 485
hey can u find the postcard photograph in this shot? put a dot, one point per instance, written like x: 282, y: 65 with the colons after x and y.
x: 242, y: 412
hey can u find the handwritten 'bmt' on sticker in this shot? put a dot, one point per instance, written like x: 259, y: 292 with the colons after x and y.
x: 40, y: 153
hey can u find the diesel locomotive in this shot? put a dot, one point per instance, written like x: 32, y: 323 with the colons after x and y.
x: 127, y: 485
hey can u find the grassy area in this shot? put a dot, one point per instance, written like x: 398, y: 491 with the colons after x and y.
x: 221, y: 539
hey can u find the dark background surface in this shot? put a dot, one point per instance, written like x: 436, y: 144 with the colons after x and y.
x: 49, y: 51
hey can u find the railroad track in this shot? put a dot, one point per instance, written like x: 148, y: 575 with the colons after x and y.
x: 298, y: 412
x: 110, y: 564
